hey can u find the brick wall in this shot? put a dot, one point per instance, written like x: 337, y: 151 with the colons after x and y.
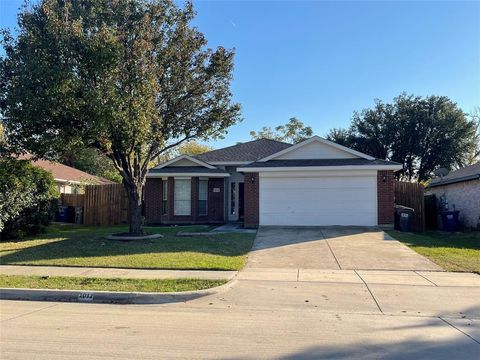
x: 251, y: 200
x: 385, y: 197
x: 153, y: 200
x: 153, y: 203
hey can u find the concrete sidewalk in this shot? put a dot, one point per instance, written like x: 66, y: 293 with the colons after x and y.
x: 115, y: 272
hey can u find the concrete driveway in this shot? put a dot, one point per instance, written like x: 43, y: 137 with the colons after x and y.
x: 333, y: 248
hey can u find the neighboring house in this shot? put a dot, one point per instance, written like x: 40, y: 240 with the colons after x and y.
x: 266, y: 182
x: 69, y: 180
x: 461, y: 190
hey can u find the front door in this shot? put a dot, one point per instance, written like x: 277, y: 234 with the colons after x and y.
x: 240, y: 201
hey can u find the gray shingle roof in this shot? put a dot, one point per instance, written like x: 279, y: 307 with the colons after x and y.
x: 185, y: 169
x: 471, y: 172
x: 319, y: 162
x: 248, y: 151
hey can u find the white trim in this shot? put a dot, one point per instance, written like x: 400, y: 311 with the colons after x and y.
x: 320, y: 140
x: 210, y: 175
x: 187, y: 157
x: 320, y: 168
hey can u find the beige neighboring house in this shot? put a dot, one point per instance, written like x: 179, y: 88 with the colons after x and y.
x: 461, y: 189
x: 69, y: 180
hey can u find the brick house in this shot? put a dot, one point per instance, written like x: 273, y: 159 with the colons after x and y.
x: 461, y: 190
x: 267, y: 182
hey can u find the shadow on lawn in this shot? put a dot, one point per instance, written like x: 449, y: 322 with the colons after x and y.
x: 435, y: 239
x: 81, y: 243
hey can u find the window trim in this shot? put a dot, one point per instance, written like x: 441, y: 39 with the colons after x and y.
x: 164, y: 196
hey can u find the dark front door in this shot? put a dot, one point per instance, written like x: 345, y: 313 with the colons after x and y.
x: 240, y: 201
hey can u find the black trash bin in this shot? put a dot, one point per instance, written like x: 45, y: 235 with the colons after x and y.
x: 62, y: 213
x: 404, y: 218
x: 450, y: 220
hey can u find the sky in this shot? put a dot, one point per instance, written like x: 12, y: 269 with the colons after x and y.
x: 320, y: 61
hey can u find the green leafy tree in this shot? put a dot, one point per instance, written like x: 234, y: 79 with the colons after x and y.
x: 131, y: 78
x: 92, y: 161
x: 421, y: 133
x: 293, y: 132
x: 27, y: 196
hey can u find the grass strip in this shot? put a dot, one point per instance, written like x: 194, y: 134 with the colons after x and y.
x: 106, y: 284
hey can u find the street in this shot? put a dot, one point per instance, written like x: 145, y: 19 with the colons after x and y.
x: 336, y: 317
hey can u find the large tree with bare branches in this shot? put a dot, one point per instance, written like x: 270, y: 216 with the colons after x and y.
x: 132, y: 78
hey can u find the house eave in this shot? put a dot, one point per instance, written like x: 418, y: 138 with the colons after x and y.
x: 186, y: 174
x: 320, y: 168
x: 454, y: 181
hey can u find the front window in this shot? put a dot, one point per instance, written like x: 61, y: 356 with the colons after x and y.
x: 164, y: 196
x: 202, y: 197
x: 182, y: 196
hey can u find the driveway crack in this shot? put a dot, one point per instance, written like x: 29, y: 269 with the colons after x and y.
x: 330, y: 248
x: 370, y: 291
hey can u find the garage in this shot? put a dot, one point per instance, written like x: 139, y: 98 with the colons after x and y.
x: 318, y: 198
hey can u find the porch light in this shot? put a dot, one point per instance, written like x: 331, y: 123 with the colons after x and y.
x: 252, y: 179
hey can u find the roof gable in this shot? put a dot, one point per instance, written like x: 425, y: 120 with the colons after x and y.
x: 244, y: 152
x: 317, y: 148
x: 185, y: 161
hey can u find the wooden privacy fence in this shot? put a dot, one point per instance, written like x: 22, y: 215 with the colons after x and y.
x: 102, y: 204
x: 411, y: 195
x: 105, y: 205
x: 72, y: 199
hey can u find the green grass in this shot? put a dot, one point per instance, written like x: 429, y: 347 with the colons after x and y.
x: 453, y: 252
x: 87, y: 246
x: 125, y: 285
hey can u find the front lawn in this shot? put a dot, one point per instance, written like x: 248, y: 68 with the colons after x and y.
x: 125, y: 285
x: 453, y: 252
x: 86, y: 246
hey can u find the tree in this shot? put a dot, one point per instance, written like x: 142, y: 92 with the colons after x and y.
x: 27, y: 196
x: 92, y: 161
x: 293, y: 132
x: 193, y: 148
x: 131, y: 78
x: 421, y: 133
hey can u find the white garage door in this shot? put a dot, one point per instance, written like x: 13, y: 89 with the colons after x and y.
x: 318, y: 200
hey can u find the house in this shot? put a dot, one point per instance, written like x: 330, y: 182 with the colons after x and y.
x: 69, y: 180
x: 267, y: 182
x: 460, y: 189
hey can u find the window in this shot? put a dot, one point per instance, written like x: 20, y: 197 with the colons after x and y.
x: 164, y: 196
x: 202, y: 197
x: 233, y: 192
x: 182, y: 196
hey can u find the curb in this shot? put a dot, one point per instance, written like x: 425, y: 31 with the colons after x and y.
x: 108, y: 297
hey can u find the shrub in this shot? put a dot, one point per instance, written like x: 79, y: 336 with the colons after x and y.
x: 27, y: 198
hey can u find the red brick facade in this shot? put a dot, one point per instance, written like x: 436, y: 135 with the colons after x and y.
x: 154, y: 196
x: 252, y: 185
x: 385, y: 197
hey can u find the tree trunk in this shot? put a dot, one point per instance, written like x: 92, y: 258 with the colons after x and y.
x: 135, y: 207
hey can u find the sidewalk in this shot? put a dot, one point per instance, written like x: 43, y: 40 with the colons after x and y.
x: 115, y: 272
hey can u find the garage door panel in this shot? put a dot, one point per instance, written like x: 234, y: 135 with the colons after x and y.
x: 318, y: 201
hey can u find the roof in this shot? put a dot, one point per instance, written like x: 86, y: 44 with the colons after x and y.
x: 64, y: 173
x: 244, y: 152
x: 187, y: 171
x: 467, y: 173
x: 319, y: 162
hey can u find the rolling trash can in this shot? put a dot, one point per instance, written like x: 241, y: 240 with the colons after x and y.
x: 450, y: 220
x: 404, y: 218
x: 62, y: 214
